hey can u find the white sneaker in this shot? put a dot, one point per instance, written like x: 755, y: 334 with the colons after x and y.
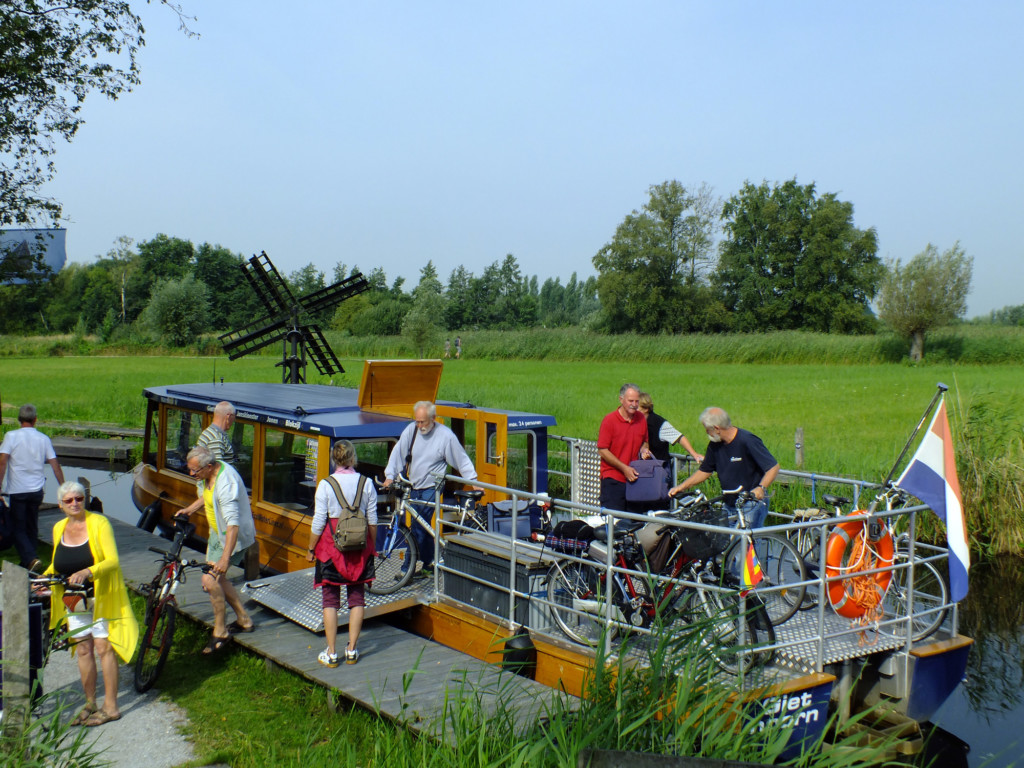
x: 328, y: 659
x: 351, y: 655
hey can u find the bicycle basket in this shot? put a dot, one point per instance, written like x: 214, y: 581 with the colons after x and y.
x: 701, y: 545
x: 571, y: 537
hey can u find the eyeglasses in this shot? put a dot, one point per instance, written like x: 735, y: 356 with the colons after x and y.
x: 71, y: 499
x: 197, y: 470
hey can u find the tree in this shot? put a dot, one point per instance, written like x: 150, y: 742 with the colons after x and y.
x: 648, y: 272
x: 459, y: 308
x: 925, y: 293
x: 54, y: 56
x: 233, y: 302
x: 422, y: 325
x: 793, y: 260
x: 178, y: 310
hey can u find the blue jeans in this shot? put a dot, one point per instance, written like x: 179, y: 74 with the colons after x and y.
x: 754, y: 512
x: 425, y: 508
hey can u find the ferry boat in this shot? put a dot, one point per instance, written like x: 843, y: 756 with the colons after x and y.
x: 283, y: 435
x: 490, y: 586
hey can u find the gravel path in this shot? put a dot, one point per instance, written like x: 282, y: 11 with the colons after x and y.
x: 149, y: 731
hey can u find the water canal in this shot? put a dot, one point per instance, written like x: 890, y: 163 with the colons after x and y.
x: 985, y: 715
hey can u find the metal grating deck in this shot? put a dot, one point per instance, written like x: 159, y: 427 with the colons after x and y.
x: 293, y: 596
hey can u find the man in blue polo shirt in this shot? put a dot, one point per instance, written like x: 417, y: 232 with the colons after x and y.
x: 740, y: 460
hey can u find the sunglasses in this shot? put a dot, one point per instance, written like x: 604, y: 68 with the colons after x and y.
x: 71, y: 499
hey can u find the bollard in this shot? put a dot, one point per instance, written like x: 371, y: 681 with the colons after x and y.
x: 798, y: 441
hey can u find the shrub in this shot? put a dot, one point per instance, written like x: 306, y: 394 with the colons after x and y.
x: 178, y: 310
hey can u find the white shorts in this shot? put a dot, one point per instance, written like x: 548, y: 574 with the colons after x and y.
x: 81, y: 625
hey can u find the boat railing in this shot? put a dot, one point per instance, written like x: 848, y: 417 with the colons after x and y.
x: 820, y: 628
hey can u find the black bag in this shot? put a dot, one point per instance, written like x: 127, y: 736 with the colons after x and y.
x: 651, y: 484
x: 350, y: 531
x: 572, y: 537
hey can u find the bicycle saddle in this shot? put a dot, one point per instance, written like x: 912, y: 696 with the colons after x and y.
x: 835, y: 501
x: 622, y: 528
x: 475, y: 495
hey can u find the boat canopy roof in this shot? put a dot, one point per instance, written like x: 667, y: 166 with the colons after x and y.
x: 313, y: 408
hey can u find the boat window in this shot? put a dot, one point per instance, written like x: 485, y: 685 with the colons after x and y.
x: 183, y: 429
x: 151, y: 435
x: 373, y: 456
x: 242, y: 441
x: 289, y: 469
x: 521, y: 464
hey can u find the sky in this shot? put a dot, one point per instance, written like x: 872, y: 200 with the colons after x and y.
x: 388, y: 134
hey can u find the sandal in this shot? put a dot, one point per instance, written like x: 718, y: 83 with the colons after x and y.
x: 84, y: 713
x: 100, y: 717
x: 234, y: 627
x: 215, y: 645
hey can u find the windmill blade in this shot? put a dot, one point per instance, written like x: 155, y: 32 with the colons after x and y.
x: 319, y: 351
x: 262, y: 333
x: 325, y: 298
x: 268, y: 284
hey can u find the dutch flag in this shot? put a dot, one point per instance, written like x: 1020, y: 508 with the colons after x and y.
x: 931, y: 477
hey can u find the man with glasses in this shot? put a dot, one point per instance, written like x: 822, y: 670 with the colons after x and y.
x: 222, y: 494
x: 740, y: 459
x: 24, y: 454
x: 424, y: 452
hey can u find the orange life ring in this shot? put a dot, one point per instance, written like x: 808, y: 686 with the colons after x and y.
x: 848, y: 553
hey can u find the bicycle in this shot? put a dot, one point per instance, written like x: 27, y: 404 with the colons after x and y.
x: 397, y: 554
x: 577, y: 590
x: 783, y: 586
x: 162, y: 606
x: 39, y: 591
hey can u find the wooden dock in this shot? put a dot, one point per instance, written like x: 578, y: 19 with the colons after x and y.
x: 400, y: 675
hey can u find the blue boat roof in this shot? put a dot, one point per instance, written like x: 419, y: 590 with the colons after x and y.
x: 315, y: 408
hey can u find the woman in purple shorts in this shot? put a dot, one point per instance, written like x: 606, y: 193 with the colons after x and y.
x: 334, y: 569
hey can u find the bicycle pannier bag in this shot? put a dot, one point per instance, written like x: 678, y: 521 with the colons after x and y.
x: 652, y: 483
x: 572, y: 537
x: 350, y: 528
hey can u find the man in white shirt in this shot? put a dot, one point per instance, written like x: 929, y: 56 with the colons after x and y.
x: 24, y: 454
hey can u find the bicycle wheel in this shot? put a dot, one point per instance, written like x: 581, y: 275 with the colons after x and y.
x: 930, y: 599
x: 783, y: 570
x: 732, y: 638
x: 397, y: 552
x: 576, y: 606
x: 156, y: 646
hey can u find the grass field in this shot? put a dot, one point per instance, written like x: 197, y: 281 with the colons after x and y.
x: 855, y: 418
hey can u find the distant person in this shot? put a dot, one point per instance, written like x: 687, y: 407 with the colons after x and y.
x: 425, y: 450
x: 622, y: 438
x: 335, y: 569
x: 215, y: 437
x: 102, y: 623
x: 740, y: 459
x: 661, y: 435
x: 232, y: 530
x: 447, y: 348
x: 458, y: 347
x: 24, y: 454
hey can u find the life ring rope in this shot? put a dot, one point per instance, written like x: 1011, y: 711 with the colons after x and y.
x: 857, y: 594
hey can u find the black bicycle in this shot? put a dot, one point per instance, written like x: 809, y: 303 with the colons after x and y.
x: 162, y: 606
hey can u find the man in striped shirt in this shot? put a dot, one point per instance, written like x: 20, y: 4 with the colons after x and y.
x: 215, y: 438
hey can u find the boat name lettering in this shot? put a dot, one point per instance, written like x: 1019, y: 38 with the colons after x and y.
x: 168, y: 400
x: 790, y: 710
x: 271, y: 420
x: 292, y: 424
x: 274, y: 521
x: 247, y: 415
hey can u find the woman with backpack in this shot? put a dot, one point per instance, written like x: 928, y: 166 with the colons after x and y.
x: 344, y: 497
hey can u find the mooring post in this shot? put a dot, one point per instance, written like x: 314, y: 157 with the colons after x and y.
x: 798, y: 442
x: 15, y: 669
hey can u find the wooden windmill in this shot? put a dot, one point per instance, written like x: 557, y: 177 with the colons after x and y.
x: 282, y: 322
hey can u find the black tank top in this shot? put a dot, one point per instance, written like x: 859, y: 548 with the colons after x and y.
x: 71, y: 559
x: 658, y: 446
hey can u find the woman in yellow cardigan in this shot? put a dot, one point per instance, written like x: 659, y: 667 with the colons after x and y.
x: 84, y: 552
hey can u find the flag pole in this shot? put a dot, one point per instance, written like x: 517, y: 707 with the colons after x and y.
x: 942, y: 388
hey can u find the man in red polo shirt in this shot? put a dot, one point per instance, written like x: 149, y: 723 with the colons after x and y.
x: 622, y: 439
